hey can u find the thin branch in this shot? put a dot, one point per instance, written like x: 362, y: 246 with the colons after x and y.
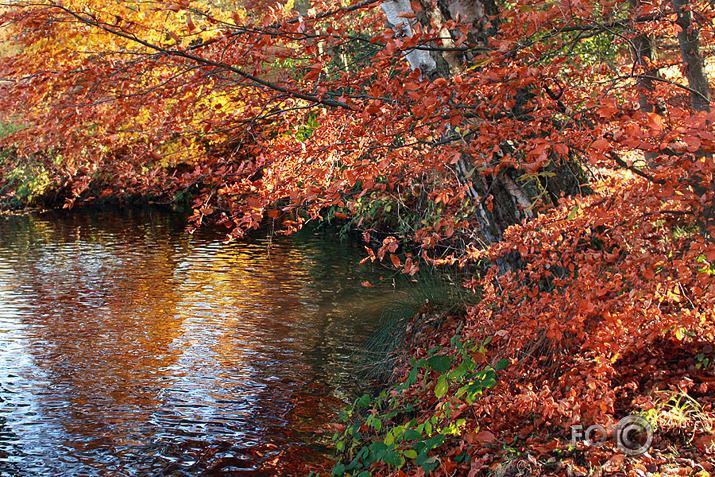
x: 183, y: 54
x: 635, y: 170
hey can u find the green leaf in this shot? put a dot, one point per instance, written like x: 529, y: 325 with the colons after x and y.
x: 392, y: 458
x: 364, y: 451
x: 410, y: 453
x: 433, y: 350
x: 502, y: 364
x: 440, y: 363
x: 412, y: 377
x: 430, y: 464
x: 454, y: 341
x: 435, y: 441
x: 421, y: 448
x: 374, y: 422
x: 364, y: 401
x: 441, y: 388
x: 572, y: 214
x: 457, y: 374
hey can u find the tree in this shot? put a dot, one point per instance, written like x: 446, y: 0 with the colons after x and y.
x: 178, y: 50
x: 569, y: 143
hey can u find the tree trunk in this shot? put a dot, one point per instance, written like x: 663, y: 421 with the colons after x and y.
x: 503, y: 199
x: 642, y: 58
x: 689, y: 41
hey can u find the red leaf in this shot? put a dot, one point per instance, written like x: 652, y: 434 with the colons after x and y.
x: 440, y: 82
x: 600, y: 144
x: 655, y: 121
x: 372, y: 109
x: 562, y: 149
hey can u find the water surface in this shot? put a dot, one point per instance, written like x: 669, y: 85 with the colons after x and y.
x: 130, y: 348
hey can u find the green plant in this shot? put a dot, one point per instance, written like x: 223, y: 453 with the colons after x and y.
x: 30, y: 181
x: 703, y: 361
x: 9, y: 128
x: 677, y: 411
x: 306, y: 130
x: 392, y: 430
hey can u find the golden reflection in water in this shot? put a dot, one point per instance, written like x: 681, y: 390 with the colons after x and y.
x: 129, y: 345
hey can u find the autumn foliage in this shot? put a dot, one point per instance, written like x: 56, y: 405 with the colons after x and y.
x: 562, y: 153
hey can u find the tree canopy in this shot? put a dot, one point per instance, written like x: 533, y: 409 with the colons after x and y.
x: 561, y: 151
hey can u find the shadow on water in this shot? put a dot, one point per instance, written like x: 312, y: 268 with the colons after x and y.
x: 130, y: 348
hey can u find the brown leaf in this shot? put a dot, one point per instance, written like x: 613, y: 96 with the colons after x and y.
x: 483, y: 438
x: 705, y: 443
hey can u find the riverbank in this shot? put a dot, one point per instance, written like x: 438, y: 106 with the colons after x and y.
x: 468, y: 394
x: 558, y: 369
x: 456, y: 407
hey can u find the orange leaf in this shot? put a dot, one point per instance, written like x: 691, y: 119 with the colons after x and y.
x: 655, y: 121
x: 562, y: 149
x: 484, y: 437
x: 313, y: 73
x: 395, y: 260
x: 366, y: 284
x: 600, y: 144
x: 606, y: 111
x: 440, y: 82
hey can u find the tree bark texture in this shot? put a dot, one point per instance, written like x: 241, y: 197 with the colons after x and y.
x: 689, y: 41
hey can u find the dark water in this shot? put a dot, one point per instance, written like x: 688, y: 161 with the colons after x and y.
x: 129, y: 348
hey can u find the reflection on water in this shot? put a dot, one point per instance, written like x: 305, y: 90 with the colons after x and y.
x: 130, y: 348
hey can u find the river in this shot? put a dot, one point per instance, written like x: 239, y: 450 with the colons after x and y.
x: 129, y: 348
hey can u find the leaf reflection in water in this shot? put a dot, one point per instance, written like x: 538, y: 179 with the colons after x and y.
x: 130, y: 348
